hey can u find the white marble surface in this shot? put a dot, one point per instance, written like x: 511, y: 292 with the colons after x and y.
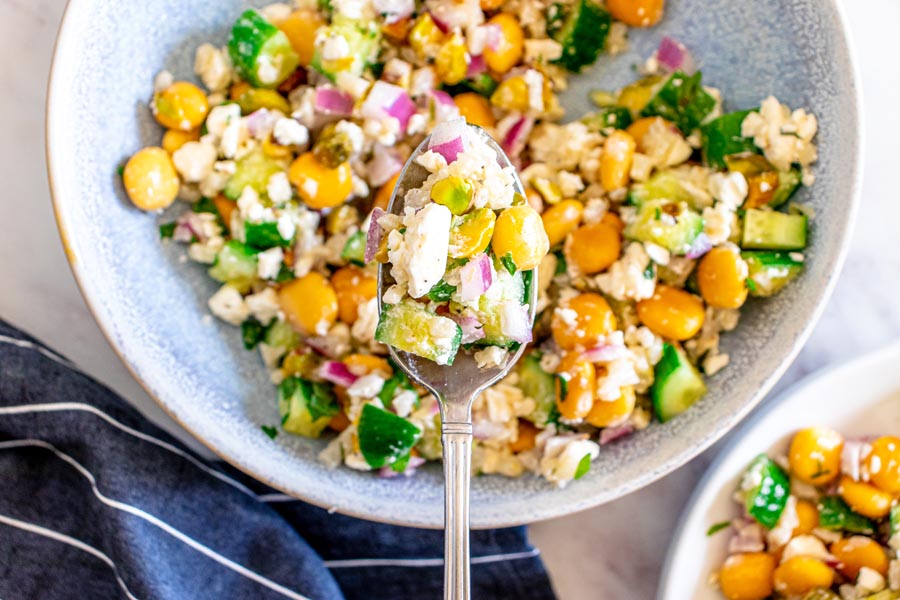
x: 610, y: 552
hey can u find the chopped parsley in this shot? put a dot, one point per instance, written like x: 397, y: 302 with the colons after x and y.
x: 269, y: 430
x: 252, y: 333
x: 751, y: 285
x: 717, y: 527
x: 120, y: 170
x: 583, y: 467
x: 507, y: 261
x: 167, y: 230
x: 649, y: 272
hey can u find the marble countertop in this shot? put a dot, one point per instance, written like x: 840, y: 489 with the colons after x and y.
x: 615, y: 551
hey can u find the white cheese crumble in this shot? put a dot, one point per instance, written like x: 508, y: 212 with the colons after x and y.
x: 366, y: 386
x: 625, y: 279
x: 492, y: 356
x: 269, y: 263
x: 419, y: 257
x: 289, y: 132
x: 363, y: 329
x: 213, y: 67
x: 563, y: 454
x: 220, y: 116
x: 263, y: 305
x: 229, y: 305
x: 279, y: 189
x: 194, y: 161
x: 404, y: 402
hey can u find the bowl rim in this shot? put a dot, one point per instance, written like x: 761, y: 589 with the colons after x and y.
x: 796, y: 392
x: 840, y: 249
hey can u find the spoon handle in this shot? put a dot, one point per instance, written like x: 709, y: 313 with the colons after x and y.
x: 457, y: 438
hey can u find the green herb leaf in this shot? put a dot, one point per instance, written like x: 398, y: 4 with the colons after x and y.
x: 322, y: 402
x: 269, y: 430
x: 717, y: 527
x: 120, y: 170
x: 441, y: 292
x: 285, y: 274
x: 399, y: 465
x: 167, y: 230
x: 262, y: 236
x: 205, y: 205
x: 563, y: 386
x: 561, y: 264
x: 507, y: 261
x: 751, y: 285
x: 583, y: 467
x: 389, y: 389
x: 649, y: 272
x: 657, y: 214
x: 252, y: 333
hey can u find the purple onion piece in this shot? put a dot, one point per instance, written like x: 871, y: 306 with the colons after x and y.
x: 605, y: 353
x: 333, y: 101
x: 514, y: 141
x: 477, y: 66
x: 699, y: 247
x: 476, y: 277
x: 337, y: 373
x: 611, y: 434
x: 674, y: 56
x: 373, y: 236
x: 515, y: 322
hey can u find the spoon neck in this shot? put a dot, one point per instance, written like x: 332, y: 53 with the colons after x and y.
x: 456, y: 417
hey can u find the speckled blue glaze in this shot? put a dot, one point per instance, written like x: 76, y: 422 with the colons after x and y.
x: 150, y: 304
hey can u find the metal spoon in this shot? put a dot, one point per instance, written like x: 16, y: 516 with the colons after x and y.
x: 455, y: 387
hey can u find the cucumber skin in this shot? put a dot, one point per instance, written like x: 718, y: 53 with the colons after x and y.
x: 412, y: 317
x: 766, y: 502
x: 296, y: 407
x: 235, y: 264
x: 788, y: 183
x: 674, y: 238
x: 538, y: 385
x: 252, y: 170
x: 771, y: 230
x: 836, y: 515
x: 722, y: 137
x: 582, y: 35
x: 384, y: 437
x: 250, y: 35
x: 673, y: 364
x: 770, y: 271
x: 617, y: 117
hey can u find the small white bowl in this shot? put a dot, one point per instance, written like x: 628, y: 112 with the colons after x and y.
x: 858, y: 399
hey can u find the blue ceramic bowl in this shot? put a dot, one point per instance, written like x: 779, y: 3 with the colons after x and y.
x: 151, y: 304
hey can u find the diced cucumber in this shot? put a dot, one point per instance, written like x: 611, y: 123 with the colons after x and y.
x: 261, y: 53
x: 254, y: 99
x: 766, y: 499
x: 506, y: 288
x: 677, y: 384
x: 235, y: 264
x: 538, y: 385
x: 617, y: 117
x: 788, y: 182
x: 355, y: 249
x: 836, y: 515
x: 664, y: 185
x: 262, y: 236
x: 254, y: 170
x: 411, y: 327
x: 581, y: 29
x: 384, y: 437
x: 769, y: 272
x: 671, y: 225
x: 361, y: 37
x: 771, y: 230
x: 305, y: 406
x: 280, y: 334
x: 722, y: 137
x: 681, y: 100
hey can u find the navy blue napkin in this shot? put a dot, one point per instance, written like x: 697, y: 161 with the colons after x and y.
x: 96, y: 502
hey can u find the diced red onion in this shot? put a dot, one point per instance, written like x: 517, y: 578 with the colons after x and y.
x: 332, y: 101
x: 515, y: 322
x: 851, y: 458
x: 321, y: 345
x: 476, y: 276
x: 261, y: 121
x: 385, y: 164
x: 188, y: 229
x: 449, y: 138
x: 441, y: 23
x: 748, y: 537
x: 616, y: 432
x: 605, y: 353
x: 477, y: 66
x: 494, y: 36
x: 391, y: 100
x: 674, y: 56
x: 699, y: 247
x: 472, y: 329
x: 514, y: 139
x: 443, y: 106
x: 337, y: 373
x: 373, y: 236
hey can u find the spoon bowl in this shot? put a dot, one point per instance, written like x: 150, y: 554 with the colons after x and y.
x: 455, y: 387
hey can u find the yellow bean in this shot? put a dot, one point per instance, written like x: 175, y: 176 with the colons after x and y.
x: 672, y: 313
x: 317, y: 185
x: 150, y: 179
x: 520, y: 233
x: 309, y: 303
x: 815, y: 455
x: 801, y: 574
x: 582, y: 321
x: 512, y: 41
x: 561, y: 219
x: 747, y: 576
x: 637, y: 13
x: 615, y: 162
x: 593, y: 248
x: 722, y: 277
x: 182, y: 106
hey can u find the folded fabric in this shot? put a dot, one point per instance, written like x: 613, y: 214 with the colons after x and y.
x: 96, y: 502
